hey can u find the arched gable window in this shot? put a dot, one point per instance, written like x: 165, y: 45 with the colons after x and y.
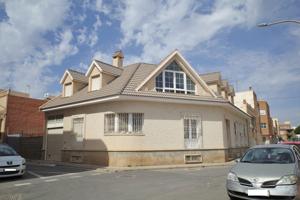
x: 174, y: 80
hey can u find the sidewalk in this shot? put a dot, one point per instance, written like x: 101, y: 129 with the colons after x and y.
x: 116, y: 169
x: 202, y: 165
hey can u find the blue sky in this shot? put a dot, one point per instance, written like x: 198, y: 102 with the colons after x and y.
x: 40, y: 39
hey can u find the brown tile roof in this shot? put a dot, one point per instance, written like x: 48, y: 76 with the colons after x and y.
x: 211, y: 77
x: 78, y: 76
x: 109, y: 68
x: 125, y: 84
x: 114, y: 88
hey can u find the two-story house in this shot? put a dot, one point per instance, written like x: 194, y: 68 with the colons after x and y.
x: 142, y: 114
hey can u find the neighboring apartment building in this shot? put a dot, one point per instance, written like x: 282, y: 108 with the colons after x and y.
x: 219, y: 86
x: 247, y: 101
x: 276, y: 127
x: 266, y: 123
x: 284, y: 129
x: 142, y: 114
x: 20, y: 117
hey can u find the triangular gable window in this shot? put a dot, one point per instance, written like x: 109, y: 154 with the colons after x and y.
x: 174, y: 80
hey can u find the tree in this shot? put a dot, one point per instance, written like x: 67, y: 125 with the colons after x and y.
x: 297, y: 130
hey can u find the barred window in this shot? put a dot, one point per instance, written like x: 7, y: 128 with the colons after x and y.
x: 123, y: 123
x: 109, y: 123
x: 137, y: 122
x: 78, y: 128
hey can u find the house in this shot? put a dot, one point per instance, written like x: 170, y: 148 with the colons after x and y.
x: 142, y: 114
x: 247, y: 101
x: 266, y: 123
x: 285, y: 129
x: 22, y: 123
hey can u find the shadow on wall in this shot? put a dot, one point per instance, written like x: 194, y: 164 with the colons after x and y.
x: 67, y: 147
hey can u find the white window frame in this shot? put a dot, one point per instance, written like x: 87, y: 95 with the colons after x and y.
x: 191, y: 142
x: 185, y: 90
x: 79, y: 139
x: 130, y: 124
x: 95, y: 86
x: 70, y: 86
x: 262, y: 112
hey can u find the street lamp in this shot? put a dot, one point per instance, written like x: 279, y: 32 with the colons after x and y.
x: 278, y: 22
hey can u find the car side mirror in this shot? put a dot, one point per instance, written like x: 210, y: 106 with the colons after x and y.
x: 237, y: 160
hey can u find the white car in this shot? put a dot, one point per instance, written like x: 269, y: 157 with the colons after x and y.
x: 11, y: 163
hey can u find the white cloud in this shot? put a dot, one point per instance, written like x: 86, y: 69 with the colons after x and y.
x: 27, y: 52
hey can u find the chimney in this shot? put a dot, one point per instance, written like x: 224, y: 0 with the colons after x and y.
x: 118, y: 59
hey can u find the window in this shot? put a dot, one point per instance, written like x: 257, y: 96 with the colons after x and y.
x: 123, y: 123
x: 263, y: 125
x: 109, y: 123
x: 68, y: 90
x: 190, y: 129
x: 174, y: 80
x: 262, y: 112
x: 95, y: 83
x: 78, y: 128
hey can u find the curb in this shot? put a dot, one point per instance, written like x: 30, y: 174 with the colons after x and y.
x: 206, y: 165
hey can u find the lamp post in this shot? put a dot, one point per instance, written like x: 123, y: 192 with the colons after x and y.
x: 278, y: 22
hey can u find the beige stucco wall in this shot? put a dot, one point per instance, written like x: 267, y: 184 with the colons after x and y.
x: 215, y: 88
x: 163, y: 127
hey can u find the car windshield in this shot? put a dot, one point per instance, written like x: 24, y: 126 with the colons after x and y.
x: 7, y: 151
x: 269, y: 155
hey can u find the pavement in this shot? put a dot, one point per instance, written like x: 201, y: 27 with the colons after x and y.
x: 48, y: 181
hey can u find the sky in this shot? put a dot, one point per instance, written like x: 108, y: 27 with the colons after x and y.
x: 40, y: 39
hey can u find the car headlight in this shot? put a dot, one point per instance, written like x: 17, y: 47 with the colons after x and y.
x: 232, y: 177
x: 288, y: 180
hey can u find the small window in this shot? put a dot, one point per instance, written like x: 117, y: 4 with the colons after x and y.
x: 95, y: 83
x: 123, y: 122
x: 137, y: 122
x: 262, y: 112
x: 68, y: 90
x: 263, y: 125
x: 78, y: 128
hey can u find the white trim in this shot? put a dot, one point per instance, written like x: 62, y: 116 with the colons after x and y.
x: 83, y: 116
x: 82, y: 103
x: 64, y: 76
x: 185, y: 63
x: 99, y: 68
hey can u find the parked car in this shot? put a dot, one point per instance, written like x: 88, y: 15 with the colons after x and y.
x: 266, y: 172
x: 296, y: 143
x: 11, y: 163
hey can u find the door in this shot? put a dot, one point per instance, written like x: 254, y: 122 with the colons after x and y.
x: 192, y: 136
x: 228, y: 133
x: 54, y: 144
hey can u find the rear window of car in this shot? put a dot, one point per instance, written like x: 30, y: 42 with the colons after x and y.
x: 7, y: 151
x: 269, y: 155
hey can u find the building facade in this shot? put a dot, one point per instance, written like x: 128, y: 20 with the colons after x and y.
x: 142, y: 114
x: 284, y: 130
x: 266, y: 123
x: 247, y: 101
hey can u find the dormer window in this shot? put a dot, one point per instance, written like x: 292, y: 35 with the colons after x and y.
x: 68, y: 90
x: 174, y: 80
x: 95, y: 83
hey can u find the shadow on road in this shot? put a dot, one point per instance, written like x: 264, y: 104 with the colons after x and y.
x: 44, y: 171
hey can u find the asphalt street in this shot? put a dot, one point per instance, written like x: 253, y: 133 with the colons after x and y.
x: 76, y: 183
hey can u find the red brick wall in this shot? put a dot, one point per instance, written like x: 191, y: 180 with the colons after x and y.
x: 23, y: 116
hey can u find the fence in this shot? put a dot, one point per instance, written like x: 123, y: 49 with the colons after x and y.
x: 27, y: 147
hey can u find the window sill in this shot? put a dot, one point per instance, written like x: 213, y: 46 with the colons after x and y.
x: 124, y: 134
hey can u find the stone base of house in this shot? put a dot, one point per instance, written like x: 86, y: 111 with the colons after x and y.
x: 144, y: 158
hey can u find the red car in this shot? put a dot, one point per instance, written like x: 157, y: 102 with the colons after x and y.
x: 297, y: 143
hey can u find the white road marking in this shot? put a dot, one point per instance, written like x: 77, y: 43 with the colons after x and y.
x: 75, y: 176
x: 34, y: 174
x: 60, y: 175
x: 51, y: 180
x: 96, y: 174
x: 22, y: 184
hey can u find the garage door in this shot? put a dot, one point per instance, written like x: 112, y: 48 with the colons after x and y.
x: 54, y: 144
